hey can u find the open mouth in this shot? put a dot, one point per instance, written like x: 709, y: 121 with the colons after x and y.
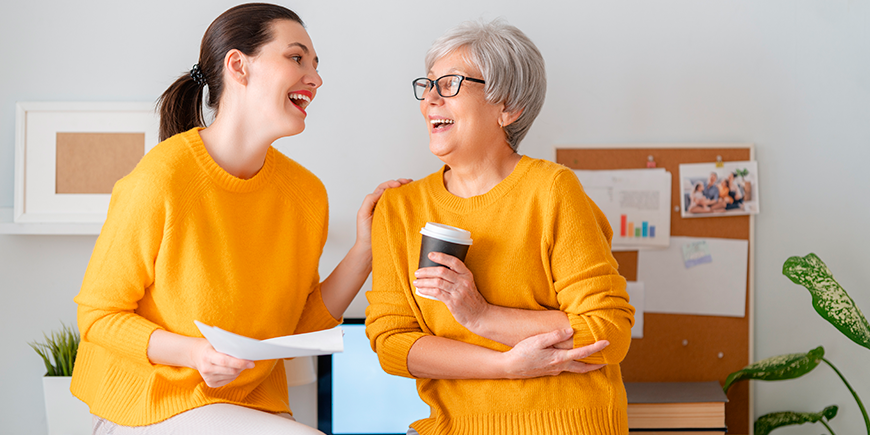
x: 300, y: 100
x: 440, y: 123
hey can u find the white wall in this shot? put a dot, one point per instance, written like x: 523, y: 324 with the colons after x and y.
x: 791, y: 76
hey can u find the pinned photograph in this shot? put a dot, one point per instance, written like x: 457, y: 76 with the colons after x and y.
x: 719, y: 189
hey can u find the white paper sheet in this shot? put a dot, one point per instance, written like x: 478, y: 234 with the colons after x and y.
x: 717, y: 288
x: 636, y: 298
x: 637, y: 203
x: 290, y: 346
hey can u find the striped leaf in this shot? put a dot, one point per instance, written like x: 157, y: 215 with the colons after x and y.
x: 777, y: 368
x: 768, y: 422
x: 829, y: 299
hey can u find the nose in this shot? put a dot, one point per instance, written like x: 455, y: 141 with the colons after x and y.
x: 432, y: 96
x: 312, y: 78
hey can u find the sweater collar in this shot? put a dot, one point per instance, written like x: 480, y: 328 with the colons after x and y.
x: 458, y: 204
x: 223, y: 178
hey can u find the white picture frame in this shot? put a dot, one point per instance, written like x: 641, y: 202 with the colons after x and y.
x: 36, y: 128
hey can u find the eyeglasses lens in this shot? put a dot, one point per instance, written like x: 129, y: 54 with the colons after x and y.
x: 420, y: 87
x: 448, y: 86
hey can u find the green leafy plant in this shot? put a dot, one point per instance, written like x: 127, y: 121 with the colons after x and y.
x: 832, y: 302
x: 742, y: 173
x: 58, y: 352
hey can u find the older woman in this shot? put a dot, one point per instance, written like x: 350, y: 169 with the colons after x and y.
x: 526, y: 336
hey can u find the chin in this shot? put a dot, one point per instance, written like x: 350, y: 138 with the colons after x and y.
x: 439, y: 149
x: 293, y: 129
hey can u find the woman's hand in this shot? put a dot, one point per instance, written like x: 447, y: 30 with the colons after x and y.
x: 536, y: 356
x: 364, y: 215
x: 217, y: 369
x: 454, y: 286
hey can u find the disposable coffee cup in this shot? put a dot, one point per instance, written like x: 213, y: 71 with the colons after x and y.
x: 442, y: 238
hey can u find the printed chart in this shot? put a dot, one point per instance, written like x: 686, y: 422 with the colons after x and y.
x: 636, y: 203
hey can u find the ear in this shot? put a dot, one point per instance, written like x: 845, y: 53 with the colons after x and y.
x: 236, y: 66
x: 507, y: 118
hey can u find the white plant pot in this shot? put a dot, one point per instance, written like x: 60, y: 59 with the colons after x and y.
x: 65, y: 413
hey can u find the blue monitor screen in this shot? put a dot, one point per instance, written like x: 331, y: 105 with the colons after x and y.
x: 356, y: 396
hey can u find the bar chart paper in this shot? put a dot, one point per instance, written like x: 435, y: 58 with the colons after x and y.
x: 636, y: 203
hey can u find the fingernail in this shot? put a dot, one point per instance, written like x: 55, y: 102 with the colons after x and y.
x: 415, y: 283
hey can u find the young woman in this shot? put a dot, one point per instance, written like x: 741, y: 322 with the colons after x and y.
x: 215, y: 225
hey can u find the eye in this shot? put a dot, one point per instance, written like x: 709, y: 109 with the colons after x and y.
x: 296, y: 58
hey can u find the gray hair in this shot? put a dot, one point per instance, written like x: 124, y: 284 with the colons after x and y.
x: 510, y: 63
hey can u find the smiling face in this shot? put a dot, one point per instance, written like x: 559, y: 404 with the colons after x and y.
x: 464, y: 127
x: 283, y: 80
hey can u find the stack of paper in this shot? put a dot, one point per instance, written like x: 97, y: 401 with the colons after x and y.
x: 290, y: 346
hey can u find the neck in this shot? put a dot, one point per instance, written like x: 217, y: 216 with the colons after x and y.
x: 477, y: 177
x: 236, y: 146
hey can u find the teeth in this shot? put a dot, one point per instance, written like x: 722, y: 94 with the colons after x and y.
x: 300, y: 97
x: 437, y: 122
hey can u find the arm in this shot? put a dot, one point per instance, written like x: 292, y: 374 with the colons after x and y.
x: 434, y: 357
x: 120, y: 269
x: 407, y: 348
x: 217, y: 369
x: 454, y: 286
x: 342, y: 285
x: 583, y: 271
x: 585, y: 275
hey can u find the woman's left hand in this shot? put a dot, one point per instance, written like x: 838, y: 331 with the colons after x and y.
x: 454, y: 286
x: 366, y: 210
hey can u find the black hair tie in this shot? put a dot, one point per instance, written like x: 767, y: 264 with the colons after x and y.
x: 196, y: 75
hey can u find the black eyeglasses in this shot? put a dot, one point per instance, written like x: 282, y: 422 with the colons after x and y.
x: 447, y: 86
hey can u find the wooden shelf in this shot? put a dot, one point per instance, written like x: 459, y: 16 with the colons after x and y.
x: 7, y: 226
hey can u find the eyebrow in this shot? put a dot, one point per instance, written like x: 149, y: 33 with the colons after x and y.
x: 304, y: 50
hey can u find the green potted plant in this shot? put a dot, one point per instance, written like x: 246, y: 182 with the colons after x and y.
x: 65, y: 414
x: 832, y: 302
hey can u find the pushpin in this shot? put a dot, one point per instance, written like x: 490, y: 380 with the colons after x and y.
x: 685, y: 342
x: 719, y: 163
x: 721, y: 355
x: 650, y: 163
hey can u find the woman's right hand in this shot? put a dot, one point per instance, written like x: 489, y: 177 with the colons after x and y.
x: 217, y: 369
x: 537, y: 356
x: 367, y: 209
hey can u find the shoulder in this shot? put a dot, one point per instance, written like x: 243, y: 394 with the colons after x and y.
x: 551, y: 177
x: 167, y: 167
x: 300, y: 189
x: 416, y: 191
x: 292, y: 175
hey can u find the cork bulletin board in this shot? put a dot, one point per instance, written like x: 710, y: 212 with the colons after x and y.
x: 678, y: 347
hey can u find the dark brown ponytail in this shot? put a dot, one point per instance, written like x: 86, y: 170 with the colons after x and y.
x: 245, y: 28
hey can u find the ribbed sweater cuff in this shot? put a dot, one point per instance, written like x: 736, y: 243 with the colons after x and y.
x: 395, y: 360
x: 583, y: 337
x: 133, y: 343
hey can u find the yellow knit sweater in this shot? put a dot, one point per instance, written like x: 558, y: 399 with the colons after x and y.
x: 183, y: 241
x: 539, y: 244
